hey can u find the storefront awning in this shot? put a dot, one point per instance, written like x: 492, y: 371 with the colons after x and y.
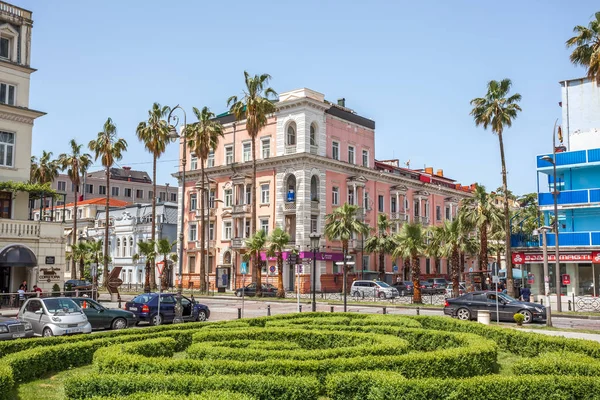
x: 17, y: 256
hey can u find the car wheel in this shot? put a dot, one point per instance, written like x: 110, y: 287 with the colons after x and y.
x: 47, y: 332
x: 356, y: 295
x: 382, y: 295
x: 201, y: 316
x: 238, y: 293
x: 119, y: 323
x: 463, y: 314
x: 528, y: 316
x: 156, y: 320
x: 402, y: 293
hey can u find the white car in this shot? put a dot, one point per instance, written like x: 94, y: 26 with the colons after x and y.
x: 54, y: 316
x: 373, y: 289
x: 462, y: 289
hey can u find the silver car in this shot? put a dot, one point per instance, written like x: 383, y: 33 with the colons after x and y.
x: 54, y: 316
x: 373, y: 289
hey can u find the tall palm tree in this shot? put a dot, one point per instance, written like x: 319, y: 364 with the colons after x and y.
x: 480, y: 213
x: 79, y: 253
x: 343, y: 224
x: 254, y: 107
x: 76, y: 163
x: 498, y: 110
x: 109, y: 148
x: 435, y: 241
x: 411, y: 244
x: 164, y: 248
x: 95, y: 250
x: 154, y: 133
x: 587, y: 47
x: 278, y: 242
x: 453, y: 234
x: 147, y: 249
x: 46, y: 169
x: 33, y: 166
x: 255, y: 244
x: 203, y: 137
x: 381, y: 242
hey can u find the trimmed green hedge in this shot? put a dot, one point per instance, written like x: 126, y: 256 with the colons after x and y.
x: 7, y: 381
x: 82, y: 386
x: 208, y: 395
x: 357, y: 385
x: 560, y: 363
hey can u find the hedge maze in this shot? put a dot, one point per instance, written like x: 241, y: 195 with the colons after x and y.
x: 310, y: 356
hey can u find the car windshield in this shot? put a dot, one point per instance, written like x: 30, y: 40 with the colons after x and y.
x: 507, y: 298
x: 143, y: 298
x: 61, y: 306
x: 382, y: 284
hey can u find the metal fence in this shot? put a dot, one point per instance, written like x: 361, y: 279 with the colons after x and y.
x: 426, y: 299
x: 584, y: 304
x: 14, y: 301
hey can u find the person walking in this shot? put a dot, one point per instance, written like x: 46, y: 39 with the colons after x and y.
x: 526, y: 294
x: 21, y: 293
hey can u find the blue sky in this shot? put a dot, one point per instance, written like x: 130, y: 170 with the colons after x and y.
x: 413, y: 67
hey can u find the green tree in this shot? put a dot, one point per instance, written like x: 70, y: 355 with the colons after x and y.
x: 155, y: 134
x: 454, y: 235
x: 278, y: 242
x: 203, y: 137
x: 343, y: 224
x: 498, y: 110
x: 587, y: 47
x: 147, y: 249
x: 76, y: 163
x: 254, y: 107
x: 527, y: 217
x: 381, y: 242
x: 33, y: 166
x: 255, y: 244
x: 45, y: 170
x: 95, y: 249
x: 109, y: 148
x: 79, y: 253
x: 411, y: 244
x: 435, y: 242
x: 165, y: 247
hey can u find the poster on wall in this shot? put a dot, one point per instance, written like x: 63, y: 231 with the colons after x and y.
x: 222, y: 277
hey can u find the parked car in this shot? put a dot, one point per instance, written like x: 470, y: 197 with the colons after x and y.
x: 268, y: 290
x: 105, y: 318
x: 11, y: 328
x: 428, y: 288
x: 462, y: 289
x: 373, y: 289
x: 404, y: 288
x: 146, y: 308
x: 76, y: 284
x: 438, y: 283
x: 54, y: 316
x: 466, y: 307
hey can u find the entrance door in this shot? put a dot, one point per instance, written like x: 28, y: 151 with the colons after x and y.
x: 291, y: 277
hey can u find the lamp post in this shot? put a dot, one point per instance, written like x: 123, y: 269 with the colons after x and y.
x: 173, y: 133
x: 314, y: 243
x: 545, y: 229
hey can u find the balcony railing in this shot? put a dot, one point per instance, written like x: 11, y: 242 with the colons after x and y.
x: 241, y: 209
x: 238, y: 243
x: 566, y: 239
x: 360, y: 213
x: 574, y: 197
x: 314, y: 206
x: 13, y: 228
x: 290, y: 149
x: 399, y: 216
x: 289, y: 207
x: 207, y: 211
x: 314, y: 149
x: 422, y: 220
x: 571, y: 157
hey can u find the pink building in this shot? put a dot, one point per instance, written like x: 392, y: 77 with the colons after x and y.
x: 311, y: 157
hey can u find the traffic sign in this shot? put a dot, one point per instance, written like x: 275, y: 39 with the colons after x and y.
x: 395, y: 268
x: 244, y: 268
x: 495, y: 279
x: 272, y: 269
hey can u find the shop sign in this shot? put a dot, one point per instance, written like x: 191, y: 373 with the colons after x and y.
x: 518, y: 258
x: 568, y: 257
x: 566, y: 279
x: 530, y: 279
x: 595, y: 257
x: 50, y: 274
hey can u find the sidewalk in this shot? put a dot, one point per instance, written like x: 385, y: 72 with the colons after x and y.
x: 570, y: 335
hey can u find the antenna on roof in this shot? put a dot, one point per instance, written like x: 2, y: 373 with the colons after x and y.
x: 407, y: 164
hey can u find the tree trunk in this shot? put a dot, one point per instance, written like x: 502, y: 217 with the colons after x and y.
x: 203, y: 274
x: 406, y: 263
x: 436, y: 262
x: 455, y: 273
x: 165, y: 274
x: 461, y: 267
x: 344, y: 276
x: 147, y: 277
x: 382, y: 266
x: 81, y: 267
x: 483, y: 252
x: 280, y: 289
x: 416, y: 279
x: 74, y: 241
x: 106, y: 254
x: 509, y: 276
x: 257, y: 271
x: 152, y: 266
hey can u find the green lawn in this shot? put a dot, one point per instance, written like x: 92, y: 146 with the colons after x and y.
x: 51, y: 387
x: 505, y: 362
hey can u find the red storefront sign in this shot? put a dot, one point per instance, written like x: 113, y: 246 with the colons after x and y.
x: 595, y: 257
x: 518, y: 258
x: 566, y: 279
x: 565, y: 257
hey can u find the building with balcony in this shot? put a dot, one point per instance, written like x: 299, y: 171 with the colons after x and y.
x: 29, y: 250
x: 577, y: 159
x: 312, y: 156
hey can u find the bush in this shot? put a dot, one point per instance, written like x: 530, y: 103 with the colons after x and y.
x: 356, y: 385
x: 208, y: 395
x: 6, y: 381
x: 55, y: 290
x: 83, y: 386
x: 519, y: 318
x: 560, y: 363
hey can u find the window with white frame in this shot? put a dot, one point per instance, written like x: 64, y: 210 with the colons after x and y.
x: 128, y: 192
x: 264, y: 193
x: 7, y: 149
x: 264, y: 225
x: 366, y: 200
x: 193, y: 233
x: 351, y: 154
x: 80, y: 213
x: 290, y: 139
x: 7, y: 94
x: 335, y: 195
x: 114, y: 191
x: 210, y: 161
x: 393, y: 205
x: 248, y: 194
x: 5, y: 47
x: 417, y: 208
x: 228, y: 197
x: 380, y: 204
x: 448, y: 215
x: 118, y: 246
x: 351, y: 196
x: 211, y: 198
x: 62, y: 186
x: 365, y: 263
x: 335, y: 150
x: 314, y: 223
x: 313, y: 134
x: 139, y: 194
x: 265, y: 148
x: 173, y: 197
x: 7, y: 42
x: 193, y: 201
x: 365, y: 158
x: 211, y: 231
x: 101, y: 189
x: 131, y: 246
x: 228, y: 155
x: 247, y: 229
x: 226, y: 230
x: 193, y: 162
x: 247, y: 151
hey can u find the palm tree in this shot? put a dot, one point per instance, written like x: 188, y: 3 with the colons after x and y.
x: 154, y: 133
x: 95, y: 250
x: 498, y: 111
x: 109, y: 148
x: 587, y: 47
x: 255, y: 108
x: 79, y: 253
x: 411, y: 244
x: 453, y: 234
x: 147, y: 249
x: 45, y: 169
x: 33, y: 167
x: 164, y: 248
x: 76, y: 165
x: 381, y: 242
x: 435, y: 242
x: 278, y: 242
x: 203, y: 137
x: 480, y: 213
x: 255, y: 244
x: 343, y: 224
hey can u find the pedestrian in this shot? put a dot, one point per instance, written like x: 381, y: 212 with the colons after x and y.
x: 526, y: 293
x: 21, y: 293
x: 24, y: 284
x: 37, y: 290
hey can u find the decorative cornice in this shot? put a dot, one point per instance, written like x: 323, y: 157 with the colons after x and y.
x: 16, y: 118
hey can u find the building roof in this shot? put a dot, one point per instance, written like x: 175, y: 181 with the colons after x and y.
x: 100, y: 201
x: 123, y: 174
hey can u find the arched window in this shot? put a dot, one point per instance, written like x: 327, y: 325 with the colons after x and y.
x: 130, y: 246
x: 227, y: 258
x: 291, y: 134
x: 118, y: 246
x: 314, y: 188
x: 313, y: 134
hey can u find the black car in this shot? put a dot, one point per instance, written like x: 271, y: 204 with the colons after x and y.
x: 76, y: 284
x: 146, y: 307
x: 466, y: 307
x: 405, y: 288
x: 11, y: 328
x: 438, y: 283
x: 429, y: 288
x: 105, y: 318
x: 268, y: 290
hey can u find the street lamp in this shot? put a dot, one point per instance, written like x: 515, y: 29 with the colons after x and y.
x: 545, y: 229
x: 314, y: 244
x: 173, y: 134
